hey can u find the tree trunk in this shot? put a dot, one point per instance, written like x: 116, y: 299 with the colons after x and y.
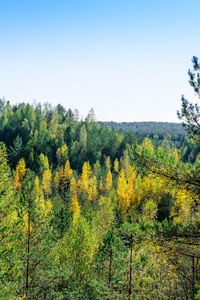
x: 28, y: 253
x: 193, y: 279
x: 130, y: 274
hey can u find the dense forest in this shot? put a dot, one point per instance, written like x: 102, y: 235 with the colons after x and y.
x: 94, y: 211
x: 150, y: 129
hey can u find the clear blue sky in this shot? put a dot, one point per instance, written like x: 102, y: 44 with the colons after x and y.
x: 126, y: 59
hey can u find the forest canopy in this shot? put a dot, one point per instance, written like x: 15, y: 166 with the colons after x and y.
x: 93, y: 210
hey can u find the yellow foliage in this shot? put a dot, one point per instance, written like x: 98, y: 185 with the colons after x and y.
x: 107, y: 163
x: 75, y: 208
x: 92, y: 189
x: 131, y: 175
x: 103, y: 218
x: 43, y: 206
x: 154, y: 187
x: 44, y: 163
x: 146, y: 186
x: 64, y: 153
x: 97, y: 168
x: 56, y: 180
x: 176, y: 155
x: 68, y: 171
x: 84, y: 179
x: 101, y: 185
x: 149, y: 210
x: 62, y: 177
x: 158, y: 265
x: 37, y: 184
x: 122, y: 190
x: 101, y: 200
x: 128, y: 190
x: 17, y: 182
x: 108, y: 185
x: 147, y: 144
x: 41, y: 157
x: 183, y: 209
x: 47, y: 182
x: 73, y: 186
x: 20, y: 169
x: 88, y: 184
x: 116, y: 165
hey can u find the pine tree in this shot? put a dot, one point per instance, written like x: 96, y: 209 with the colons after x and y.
x: 16, y: 151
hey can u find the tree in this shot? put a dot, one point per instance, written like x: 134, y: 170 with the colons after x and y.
x: 78, y: 250
x: 110, y: 264
x: 83, y: 138
x: 47, y: 182
x: 16, y: 150
x: 190, y: 113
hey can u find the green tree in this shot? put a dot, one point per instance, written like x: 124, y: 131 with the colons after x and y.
x: 190, y: 113
x: 16, y: 151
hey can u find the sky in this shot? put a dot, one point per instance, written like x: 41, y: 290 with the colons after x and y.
x: 128, y: 60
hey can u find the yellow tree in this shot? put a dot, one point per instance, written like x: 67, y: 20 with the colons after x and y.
x: 158, y: 190
x: 56, y: 180
x: 68, y: 172
x: 44, y: 163
x: 175, y: 155
x: 108, y: 182
x: 75, y: 208
x: 133, y: 189
x: 123, y: 199
x: 147, y: 144
x: 19, y: 173
x: 73, y: 186
x: 128, y: 192
x: 183, y: 209
x: 62, y: 154
x: 65, y: 176
x: 47, y: 182
x: 108, y: 163
x: 62, y: 179
x: 116, y: 165
x: 87, y: 185
x: 85, y: 176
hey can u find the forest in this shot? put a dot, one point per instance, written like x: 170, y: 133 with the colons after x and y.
x: 98, y: 210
